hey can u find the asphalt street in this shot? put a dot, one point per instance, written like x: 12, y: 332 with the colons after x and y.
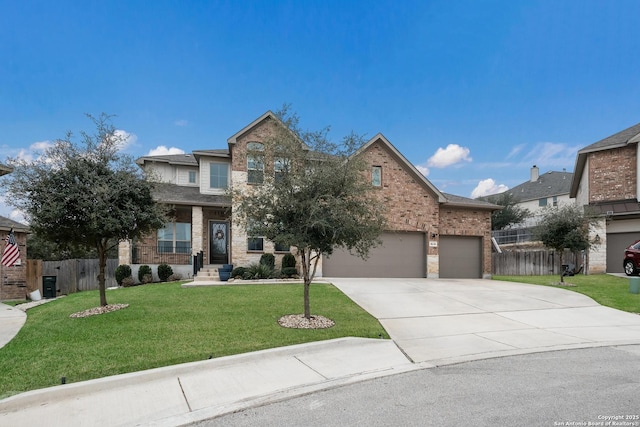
x: 595, y: 386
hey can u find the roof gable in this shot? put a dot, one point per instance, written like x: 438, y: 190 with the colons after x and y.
x: 623, y: 138
x: 404, y: 162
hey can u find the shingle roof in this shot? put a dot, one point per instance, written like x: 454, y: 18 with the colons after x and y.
x: 181, y: 159
x: 548, y: 184
x: 466, y: 202
x: 178, y: 195
x: 7, y: 224
x: 630, y: 135
x: 4, y: 169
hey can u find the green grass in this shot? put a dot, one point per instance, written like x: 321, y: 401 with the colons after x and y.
x: 166, y: 325
x: 605, y: 289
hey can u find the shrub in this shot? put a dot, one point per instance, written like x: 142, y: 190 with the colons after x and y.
x: 290, y: 271
x: 143, y: 271
x: 174, y: 277
x: 258, y: 271
x: 288, y: 260
x: 269, y: 260
x: 147, y: 278
x: 238, y: 272
x: 164, y: 272
x: 128, y: 282
x: 122, y: 272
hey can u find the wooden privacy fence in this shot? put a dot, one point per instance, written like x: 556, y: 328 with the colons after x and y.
x: 72, y: 275
x: 532, y: 263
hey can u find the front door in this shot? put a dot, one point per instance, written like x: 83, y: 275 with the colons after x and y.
x: 218, y: 246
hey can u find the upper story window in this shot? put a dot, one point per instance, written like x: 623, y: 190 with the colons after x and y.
x: 542, y: 202
x: 280, y: 167
x: 376, y: 176
x: 218, y: 175
x: 255, y: 163
x: 555, y: 200
x: 192, y: 177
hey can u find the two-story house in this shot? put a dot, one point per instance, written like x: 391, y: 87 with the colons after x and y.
x: 606, y: 183
x: 430, y: 234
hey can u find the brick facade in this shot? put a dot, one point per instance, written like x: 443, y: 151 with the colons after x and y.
x: 412, y: 203
x: 13, y: 280
x: 612, y: 174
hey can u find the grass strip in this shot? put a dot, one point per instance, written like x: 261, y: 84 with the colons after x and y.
x: 166, y: 325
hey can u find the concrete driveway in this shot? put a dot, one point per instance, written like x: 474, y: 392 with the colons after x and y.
x: 442, y: 321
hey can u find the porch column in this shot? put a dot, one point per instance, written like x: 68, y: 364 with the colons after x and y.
x: 197, y: 230
x: 124, y: 252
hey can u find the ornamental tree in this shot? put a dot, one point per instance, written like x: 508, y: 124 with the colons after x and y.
x: 318, y: 199
x: 85, y: 194
x: 564, y: 227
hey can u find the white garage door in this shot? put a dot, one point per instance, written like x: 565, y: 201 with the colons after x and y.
x: 402, y: 254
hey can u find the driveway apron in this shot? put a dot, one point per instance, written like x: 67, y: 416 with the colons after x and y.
x: 443, y: 321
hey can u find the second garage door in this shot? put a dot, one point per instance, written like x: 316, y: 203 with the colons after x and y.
x: 402, y: 254
x: 616, y: 244
x: 460, y: 257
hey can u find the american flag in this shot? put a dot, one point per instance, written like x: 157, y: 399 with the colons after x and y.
x: 11, y: 254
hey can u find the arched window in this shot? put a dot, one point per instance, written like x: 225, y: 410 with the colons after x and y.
x: 255, y: 163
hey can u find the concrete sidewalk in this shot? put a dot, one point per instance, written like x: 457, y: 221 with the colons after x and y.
x: 11, y: 321
x: 190, y: 392
x: 432, y: 323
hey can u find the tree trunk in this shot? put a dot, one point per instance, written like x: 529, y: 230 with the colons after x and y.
x: 561, y: 266
x: 305, y: 260
x: 102, y: 256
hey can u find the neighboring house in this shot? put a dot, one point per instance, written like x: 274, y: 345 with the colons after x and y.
x: 540, y: 191
x: 13, y: 280
x: 606, y: 183
x: 430, y: 233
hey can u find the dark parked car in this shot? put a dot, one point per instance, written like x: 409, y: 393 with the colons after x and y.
x: 632, y: 259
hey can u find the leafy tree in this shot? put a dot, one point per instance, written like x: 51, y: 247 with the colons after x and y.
x: 47, y: 250
x: 85, y: 194
x: 318, y: 199
x: 510, y: 213
x: 564, y: 227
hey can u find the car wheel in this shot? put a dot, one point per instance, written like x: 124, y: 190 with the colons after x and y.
x: 629, y: 269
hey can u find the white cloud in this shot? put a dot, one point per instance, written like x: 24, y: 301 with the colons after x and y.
x: 18, y: 216
x: 551, y: 154
x: 487, y: 187
x: 124, y: 139
x: 34, y: 151
x: 181, y: 122
x: 516, y: 150
x: 423, y: 170
x: 449, y: 156
x: 162, y: 150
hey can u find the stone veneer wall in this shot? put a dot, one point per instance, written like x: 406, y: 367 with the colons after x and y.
x: 612, y: 174
x: 14, y: 279
x: 457, y: 221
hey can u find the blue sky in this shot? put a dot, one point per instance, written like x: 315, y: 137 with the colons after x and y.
x: 472, y: 92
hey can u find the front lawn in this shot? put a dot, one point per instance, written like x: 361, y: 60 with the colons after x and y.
x: 605, y: 289
x: 166, y: 325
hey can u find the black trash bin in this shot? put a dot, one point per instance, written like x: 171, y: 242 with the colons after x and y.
x: 49, y: 286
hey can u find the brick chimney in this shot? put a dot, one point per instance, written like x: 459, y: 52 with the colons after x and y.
x: 535, y: 173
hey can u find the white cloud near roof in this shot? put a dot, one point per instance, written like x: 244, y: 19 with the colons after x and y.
x: 487, y: 187
x: 181, y: 122
x: 423, y: 170
x: 451, y: 155
x: 162, y: 150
